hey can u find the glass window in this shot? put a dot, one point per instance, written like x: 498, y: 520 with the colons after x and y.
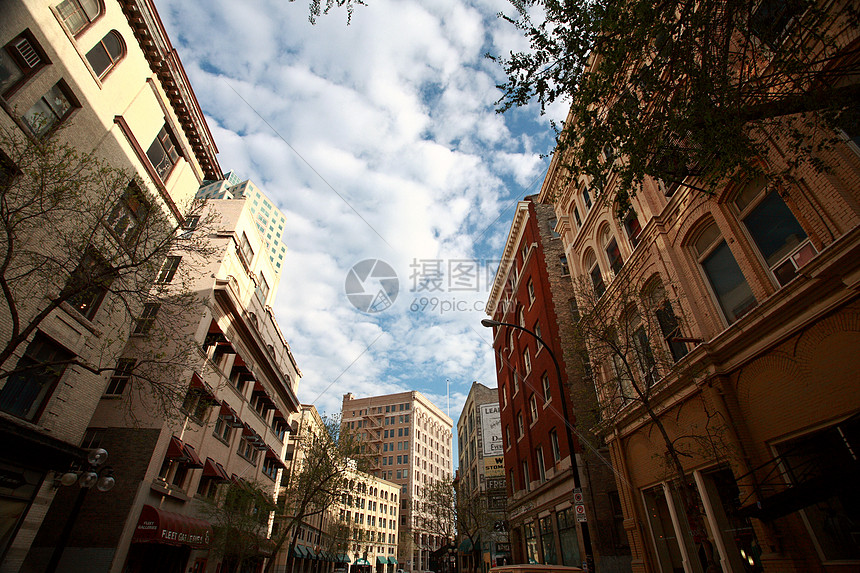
x: 593, y: 269
x: 667, y: 321
x: 19, y: 59
x: 662, y: 530
x: 565, y: 270
x: 632, y: 226
x: 129, y: 214
x: 614, y: 256
x: 163, y: 153
x: 147, y: 318
x: 547, y: 540
x: 77, y: 14
x: 540, y: 464
x: 50, y: 110
x: 104, y: 55
x: 531, y: 542
x: 245, y: 249
x: 263, y: 289
x: 121, y: 376
x: 88, y: 284
x: 26, y: 392
x: 547, y: 392
x: 723, y: 274
x: 570, y: 555
x: 168, y: 270
x: 780, y: 239
x: 533, y: 407
x: 556, y: 450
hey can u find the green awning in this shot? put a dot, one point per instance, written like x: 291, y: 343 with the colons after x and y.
x: 361, y: 562
x: 466, y: 546
x: 392, y: 560
x: 343, y: 558
x: 381, y: 560
x: 299, y: 552
x: 309, y: 553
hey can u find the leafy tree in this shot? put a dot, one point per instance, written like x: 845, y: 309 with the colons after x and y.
x: 239, y: 516
x: 688, y: 92
x: 85, y: 238
x: 327, y: 472
x: 475, y: 521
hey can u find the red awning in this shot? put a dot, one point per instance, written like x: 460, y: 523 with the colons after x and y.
x: 212, y: 469
x: 198, y: 384
x: 271, y: 455
x: 193, y: 458
x: 230, y: 415
x: 158, y: 526
x: 175, y: 450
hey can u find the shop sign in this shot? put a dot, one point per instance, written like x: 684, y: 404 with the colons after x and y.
x: 494, y: 467
x: 491, y: 429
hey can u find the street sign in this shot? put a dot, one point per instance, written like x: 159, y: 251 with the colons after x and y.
x: 579, y: 510
x: 577, y: 497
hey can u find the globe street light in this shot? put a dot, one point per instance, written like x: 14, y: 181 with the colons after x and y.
x: 586, y: 537
x: 95, y: 474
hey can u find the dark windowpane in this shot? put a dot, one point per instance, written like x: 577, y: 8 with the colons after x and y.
x: 614, y: 255
x: 99, y: 59
x: 88, y: 284
x: 597, y: 281
x: 774, y: 229
x: 41, y: 367
x: 729, y: 284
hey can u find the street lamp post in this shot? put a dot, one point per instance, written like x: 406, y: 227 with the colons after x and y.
x: 577, y: 482
x: 95, y: 474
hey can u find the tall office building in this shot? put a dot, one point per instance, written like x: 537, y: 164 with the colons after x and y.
x: 413, y: 439
x: 270, y: 221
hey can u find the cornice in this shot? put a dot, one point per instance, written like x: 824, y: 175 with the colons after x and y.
x: 509, y: 256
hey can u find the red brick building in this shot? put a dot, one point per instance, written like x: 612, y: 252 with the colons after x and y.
x: 532, y: 289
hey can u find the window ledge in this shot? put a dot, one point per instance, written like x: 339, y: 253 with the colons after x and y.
x: 81, y: 319
x: 547, y: 403
x: 160, y: 486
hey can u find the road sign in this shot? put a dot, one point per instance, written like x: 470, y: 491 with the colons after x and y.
x: 577, y: 497
x: 579, y: 510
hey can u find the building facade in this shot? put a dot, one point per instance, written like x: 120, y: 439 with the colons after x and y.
x: 481, y: 487
x: 744, y: 304
x: 270, y: 220
x: 412, y: 438
x: 563, y: 507
x: 171, y: 462
x: 101, y: 77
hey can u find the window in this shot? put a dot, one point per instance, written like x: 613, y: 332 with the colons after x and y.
x: 248, y: 451
x: 723, y: 274
x: 547, y: 392
x: 527, y: 362
x: 547, y: 539
x: 568, y: 542
x: 521, y: 317
x: 539, y: 460
x: 105, y: 55
x: 576, y: 217
x: 27, y: 391
x: 78, y: 14
x: 562, y: 261
x: 526, y: 480
x: 632, y: 226
x: 553, y: 223
x: 521, y: 428
x: 88, y: 284
x: 129, y: 214
x: 245, y: 249
x: 531, y: 289
x: 538, y: 334
x: 19, y: 60
x: 533, y: 408
x: 147, y: 318
x: 196, y: 404
x: 780, y: 239
x: 586, y: 198
x: 508, y: 442
x: 223, y: 427
x: 613, y: 254
x: 504, y: 396
x: 262, y: 289
x: 556, y: 451
x: 168, y: 270
x: 163, y: 153
x: 50, y: 110
x: 121, y: 375
x: 644, y: 358
x: 593, y: 269
x: 669, y: 325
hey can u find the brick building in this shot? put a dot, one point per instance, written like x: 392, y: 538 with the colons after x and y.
x: 170, y: 463
x: 744, y: 305
x: 102, y: 77
x: 539, y: 412
x: 413, y: 439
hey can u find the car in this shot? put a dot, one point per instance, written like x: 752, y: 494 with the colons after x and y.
x: 534, y: 568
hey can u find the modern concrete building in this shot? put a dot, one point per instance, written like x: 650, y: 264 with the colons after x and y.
x: 238, y: 396
x: 744, y: 304
x: 412, y: 438
x: 481, y: 487
x: 563, y: 507
x: 270, y: 220
x: 104, y: 78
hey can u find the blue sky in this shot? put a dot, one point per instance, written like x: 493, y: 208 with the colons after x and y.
x: 378, y: 140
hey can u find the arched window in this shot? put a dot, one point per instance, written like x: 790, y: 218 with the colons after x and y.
x: 723, y: 273
x: 610, y: 246
x: 78, y: 14
x: 593, y: 270
x: 668, y: 323
x: 780, y: 239
x: 105, y: 55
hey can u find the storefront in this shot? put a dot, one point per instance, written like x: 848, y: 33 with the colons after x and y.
x: 169, y: 543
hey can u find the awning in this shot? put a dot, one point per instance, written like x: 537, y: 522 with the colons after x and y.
x: 158, y: 526
x: 230, y: 416
x: 342, y: 558
x: 309, y: 553
x: 175, y: 451
x: 392, y: 560
x: 213, y: 469
x: 381, y: 560
x: 192, y: 457
x: 198, y: 384
x: 361, y: 562
x: 270, y: 454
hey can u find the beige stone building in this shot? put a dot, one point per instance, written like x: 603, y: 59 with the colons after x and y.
x: 233, y: 423
x: 412, y: 438
x: 106, y: 74
x: 746, y: 302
